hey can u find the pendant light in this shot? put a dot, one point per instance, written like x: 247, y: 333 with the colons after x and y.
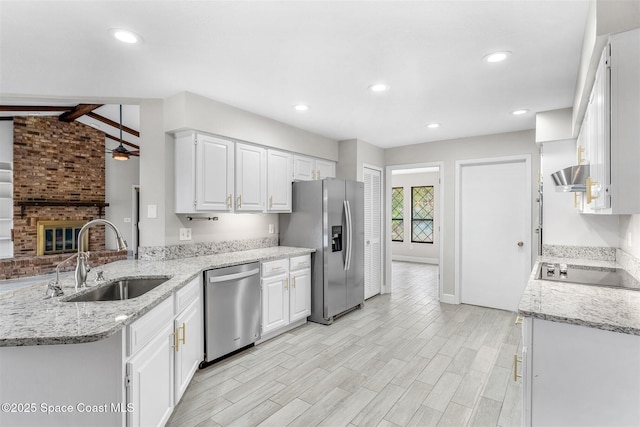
x: 120, y: 153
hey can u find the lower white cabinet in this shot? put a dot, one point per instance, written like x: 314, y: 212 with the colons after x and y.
x: 159, y: 373
x: 189, y: 348
x: 286, y: 293
x: 150, y: 381
x: 578, y: 376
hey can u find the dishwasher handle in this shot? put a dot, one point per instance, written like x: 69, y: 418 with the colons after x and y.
x: 235, y: 276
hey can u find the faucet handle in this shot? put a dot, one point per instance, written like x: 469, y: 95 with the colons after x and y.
x: 99, y: 276
x: 53, y: 289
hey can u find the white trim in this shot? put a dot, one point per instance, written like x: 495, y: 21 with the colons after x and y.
x: 417, y: 259
x: 448, y: 299
x: 382, y: 236
x: 133, y: 249
x: 387, y: 285
x: 457, y: 216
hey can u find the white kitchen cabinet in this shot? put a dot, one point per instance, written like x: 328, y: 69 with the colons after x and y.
x: 612, y: 129
x: 189, y: 349
x: 250, y: 178
x: 279, y: 177
x: 6, y: 209
x: 325, y: 169
x: 308, y: 168
x: 275, y: 302
x: 286, y: 294
x: 150, y: 381
x: 189, y: 327
x: 577, y: 376
x: 204, y: 173
x: 299, y: 288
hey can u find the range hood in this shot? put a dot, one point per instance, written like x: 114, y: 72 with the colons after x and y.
x: 573, y: 178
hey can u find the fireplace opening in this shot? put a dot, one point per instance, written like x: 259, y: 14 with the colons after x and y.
x: 59, y: 237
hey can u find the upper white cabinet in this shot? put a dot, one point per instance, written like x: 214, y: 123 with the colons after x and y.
x: 610, y: 131
x: 214, y: 174
x: 250, y: 178
x: 278, y: 181
x: 204, y: 173
x: 309, y: 169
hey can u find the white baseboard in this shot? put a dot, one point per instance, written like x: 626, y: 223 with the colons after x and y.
x: 448, y: 299
x: 415, y: 259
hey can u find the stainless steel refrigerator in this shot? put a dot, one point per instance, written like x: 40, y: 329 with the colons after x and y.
x: 328, y: 215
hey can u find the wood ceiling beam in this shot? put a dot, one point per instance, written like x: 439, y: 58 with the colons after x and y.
x: 116, y: 125
x: 34, y: 108
x: 137, y: 147
x: 78, y: 111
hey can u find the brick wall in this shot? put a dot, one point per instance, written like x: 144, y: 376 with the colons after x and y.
x: 54, y: 160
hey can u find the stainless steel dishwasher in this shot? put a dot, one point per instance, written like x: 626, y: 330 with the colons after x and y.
x: 232, y: 309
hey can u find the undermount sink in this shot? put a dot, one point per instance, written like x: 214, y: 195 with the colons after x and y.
x: 607, y: 277
x: 121, y: 289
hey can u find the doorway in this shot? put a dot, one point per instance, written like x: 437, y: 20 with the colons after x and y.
x: 493, y: 230
x: 436, y: 225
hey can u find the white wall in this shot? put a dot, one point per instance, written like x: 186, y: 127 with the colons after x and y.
x: 120, y: 177
x: 417, y: 252
x: 480, y: 147
x: 554, y: 125
x: 629, y: 238
x: 563, y: 224
x: 187, y: 110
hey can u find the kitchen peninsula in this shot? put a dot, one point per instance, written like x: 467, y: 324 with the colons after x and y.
x: 51, y: 349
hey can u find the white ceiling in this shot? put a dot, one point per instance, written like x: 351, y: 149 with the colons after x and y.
x: 265, y: 56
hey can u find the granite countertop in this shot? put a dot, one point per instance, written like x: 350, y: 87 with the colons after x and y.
x: 610, y: 309
x: 27, y: 318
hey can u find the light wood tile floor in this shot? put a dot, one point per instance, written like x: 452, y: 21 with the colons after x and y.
x: 403, y: 360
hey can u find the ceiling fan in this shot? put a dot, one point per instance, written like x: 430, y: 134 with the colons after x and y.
x: 120, y: 152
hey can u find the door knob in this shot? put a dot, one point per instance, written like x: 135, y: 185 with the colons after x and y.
x: 521, y: 244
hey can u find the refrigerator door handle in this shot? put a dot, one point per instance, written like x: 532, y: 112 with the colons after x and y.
x: 349, y: 234
x: 346, y: 235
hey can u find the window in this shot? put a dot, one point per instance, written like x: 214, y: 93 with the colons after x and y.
x: 422, y: 214
x: 397, y: 214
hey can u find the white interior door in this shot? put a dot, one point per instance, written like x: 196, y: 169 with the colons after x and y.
x: 494, y: 240
x: 372, y: 232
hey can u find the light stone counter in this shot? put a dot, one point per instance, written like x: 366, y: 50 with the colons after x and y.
x: 610, y: 309
x: 27, y: 318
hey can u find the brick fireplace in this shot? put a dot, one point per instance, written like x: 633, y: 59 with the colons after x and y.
x: 59, y: 175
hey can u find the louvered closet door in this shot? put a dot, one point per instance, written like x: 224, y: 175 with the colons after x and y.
x: 372, y: 232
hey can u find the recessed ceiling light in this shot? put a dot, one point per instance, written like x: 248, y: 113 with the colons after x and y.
x: 301, y: 107
x: 519, y: 112
x: 433, y: 125
x: 379, y: 87
x: 496, y: 56
x: 126, y: 36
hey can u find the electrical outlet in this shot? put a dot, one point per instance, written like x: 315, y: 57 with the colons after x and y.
x: 272, y: 228
x: 185, y: 234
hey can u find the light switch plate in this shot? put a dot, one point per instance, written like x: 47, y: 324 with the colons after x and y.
x: 272, y: 228
x: 152, y: 211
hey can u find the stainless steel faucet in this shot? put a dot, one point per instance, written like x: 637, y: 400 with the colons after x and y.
x: 82, y: 267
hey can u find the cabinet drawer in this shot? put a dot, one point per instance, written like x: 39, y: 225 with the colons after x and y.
x: 271, y: 268
x: 300, y: 262
x: 142, y: 330
x: 186, y: 295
